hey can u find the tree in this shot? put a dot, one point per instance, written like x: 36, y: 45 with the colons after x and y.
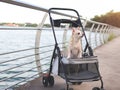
x: 111, y: 17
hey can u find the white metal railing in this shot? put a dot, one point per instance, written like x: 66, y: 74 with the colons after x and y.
x: 97, y: 34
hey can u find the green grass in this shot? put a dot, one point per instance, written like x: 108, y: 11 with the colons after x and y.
x: 111, y: 36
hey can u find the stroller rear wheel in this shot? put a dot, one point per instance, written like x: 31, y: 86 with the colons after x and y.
x: 48, y: 80
x: 51, y: 81
x: 45, y: 81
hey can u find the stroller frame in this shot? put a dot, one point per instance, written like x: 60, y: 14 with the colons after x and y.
x: 87, y: 58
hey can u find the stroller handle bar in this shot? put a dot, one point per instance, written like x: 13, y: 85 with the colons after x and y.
x: 79, y: 24
x: 64, y: 9
x: 52, y: 22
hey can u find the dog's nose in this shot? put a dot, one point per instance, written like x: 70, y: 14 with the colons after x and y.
x: 78, y: 33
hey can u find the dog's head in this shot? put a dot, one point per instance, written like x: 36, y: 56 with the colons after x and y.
x: 77, y: 33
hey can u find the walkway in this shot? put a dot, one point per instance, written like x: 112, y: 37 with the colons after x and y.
x: 109, y: 60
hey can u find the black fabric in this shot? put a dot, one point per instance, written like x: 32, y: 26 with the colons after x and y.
x: 73, y: 23
x: 79, y: 71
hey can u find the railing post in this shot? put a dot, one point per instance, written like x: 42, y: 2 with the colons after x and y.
x: 37, y: 44
x: 103, y: 35
x: 101, y: 29
x: 108, y: 32
x: 90, y: 33
x: 96, y: 34
x: 106, y: 35
x: 85, y: 23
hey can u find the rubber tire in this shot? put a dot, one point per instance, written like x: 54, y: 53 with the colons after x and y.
x: 51, y: 81
x: 45, y: 81
x: 96, y: 88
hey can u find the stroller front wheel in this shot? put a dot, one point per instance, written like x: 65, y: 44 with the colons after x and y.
x: 48, y: 80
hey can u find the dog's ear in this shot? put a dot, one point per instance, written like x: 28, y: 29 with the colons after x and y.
x: 78, y: 28
x: 73, y: 30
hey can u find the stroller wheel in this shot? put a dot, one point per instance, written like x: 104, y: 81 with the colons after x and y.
x: 45, y: 81
x: 96, y: 88
x: 51, y: 81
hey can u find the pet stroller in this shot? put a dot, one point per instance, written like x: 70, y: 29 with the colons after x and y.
x: 87, y: 66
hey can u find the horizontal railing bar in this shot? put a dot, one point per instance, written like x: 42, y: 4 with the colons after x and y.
x: 24, y: 50
x: 25, y: 79
x: 23, y: 4
x: 94, y: 22
x: 17, y: 74
x: 29, y: 28
x: 23, y: 64
x: 25, y: 56
x: 18, y: 58
x: 21, y: 28
x: 29, y: 49
x: 4, y: 79
x: 26, y: 28
x: 18, y: 51
x: 16, y: 67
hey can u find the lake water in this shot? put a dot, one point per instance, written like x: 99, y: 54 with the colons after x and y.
x: 12, y: 40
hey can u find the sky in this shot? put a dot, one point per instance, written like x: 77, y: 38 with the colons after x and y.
x: 86, y: 8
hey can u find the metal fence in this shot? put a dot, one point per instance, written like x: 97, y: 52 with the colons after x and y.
x: 97, y: 34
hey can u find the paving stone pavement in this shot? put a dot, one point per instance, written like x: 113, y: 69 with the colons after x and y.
x: 109, y: 65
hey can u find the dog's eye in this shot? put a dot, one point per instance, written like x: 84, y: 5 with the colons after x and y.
x: 78, y: 33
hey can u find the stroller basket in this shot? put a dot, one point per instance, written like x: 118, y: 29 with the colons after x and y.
x: 79, y: 70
